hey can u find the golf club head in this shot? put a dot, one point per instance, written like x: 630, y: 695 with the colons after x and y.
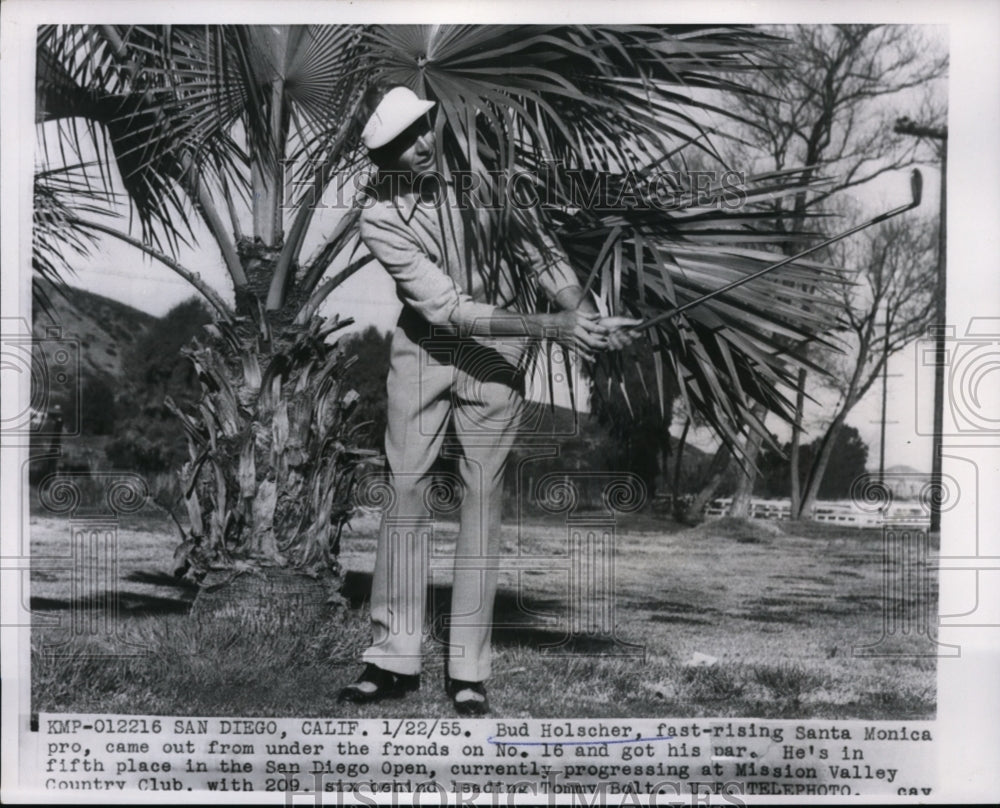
x: 917, y: 190
x: 916, y: 186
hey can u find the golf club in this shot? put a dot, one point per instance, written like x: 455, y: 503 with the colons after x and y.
x: 916, y: 187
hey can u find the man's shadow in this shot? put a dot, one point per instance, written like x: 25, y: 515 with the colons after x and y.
x: 519, y: 620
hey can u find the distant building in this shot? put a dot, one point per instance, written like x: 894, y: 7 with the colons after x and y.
x: 905, y: 482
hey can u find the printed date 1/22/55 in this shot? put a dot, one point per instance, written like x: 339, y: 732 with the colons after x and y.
x: 422, y: 729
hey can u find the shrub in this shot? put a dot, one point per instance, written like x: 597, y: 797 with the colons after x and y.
x: 97, y: 405
x: 148, y: 445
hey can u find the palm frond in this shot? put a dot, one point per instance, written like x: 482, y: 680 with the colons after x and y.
x: 172, y: 106
x: 736, y: 351
x: 60, y: 196
x: 125, y: 93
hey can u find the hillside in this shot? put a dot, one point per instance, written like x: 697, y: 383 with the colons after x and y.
x: 98, y: 335
x: 103, y: 329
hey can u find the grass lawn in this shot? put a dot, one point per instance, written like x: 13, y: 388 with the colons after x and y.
x: 775, y: 611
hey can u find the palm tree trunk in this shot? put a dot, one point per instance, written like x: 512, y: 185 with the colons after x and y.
x: 819, y: 466
x: 676, y: 488
x: 265, y: 174
x: 854, y: 390
x: 716, y: 474
x: 740, y: 506
x: 307, y: 207
x: 663, y: 466
x: 795, y: 495
x: 743, y: 497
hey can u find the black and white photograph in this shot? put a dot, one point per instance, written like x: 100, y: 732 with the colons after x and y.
x: 465, y: 405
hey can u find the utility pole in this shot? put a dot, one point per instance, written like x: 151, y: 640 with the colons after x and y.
x: 905, y: 126
x: 885, y: 385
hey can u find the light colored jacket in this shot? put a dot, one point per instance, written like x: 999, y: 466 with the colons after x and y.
x: 421, y: 244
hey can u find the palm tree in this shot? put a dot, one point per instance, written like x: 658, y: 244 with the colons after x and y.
x: 203, y: 125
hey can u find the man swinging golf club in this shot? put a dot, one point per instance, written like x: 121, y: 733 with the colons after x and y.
x: 454, y: 362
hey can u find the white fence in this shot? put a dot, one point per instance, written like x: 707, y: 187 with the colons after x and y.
x: 840, y: 512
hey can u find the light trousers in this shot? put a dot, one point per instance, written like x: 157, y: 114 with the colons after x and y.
x: 443, y: 388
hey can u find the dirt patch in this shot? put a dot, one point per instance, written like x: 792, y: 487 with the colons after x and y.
x: 785, y: 600
x: 744, y: 531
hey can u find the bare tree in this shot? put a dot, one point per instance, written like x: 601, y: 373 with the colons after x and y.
x: 830, y: 105
x: 890, y: 304
x: 834, y: 99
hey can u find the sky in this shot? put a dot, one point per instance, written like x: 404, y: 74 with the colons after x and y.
x: 119, y: 272
x: 122, y: 273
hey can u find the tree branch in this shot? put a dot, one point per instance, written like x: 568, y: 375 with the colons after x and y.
x: 191, y: 277
x: 210, y: 215
x: 307, y: 205
x: 326, y: 287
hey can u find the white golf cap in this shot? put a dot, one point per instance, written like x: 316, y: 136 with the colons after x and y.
x: 398, y: 109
